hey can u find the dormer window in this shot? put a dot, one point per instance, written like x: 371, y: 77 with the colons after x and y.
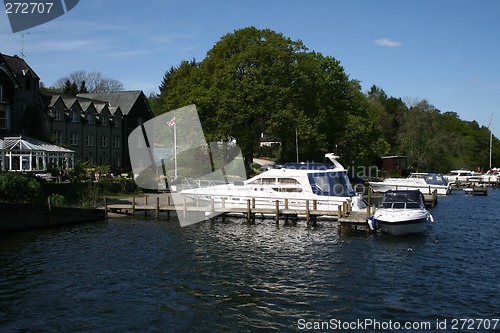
x: 58, y: 114
x: 90, y: 119
x: 104, y: 120
x: 74, y: 117
x: 2, y: 93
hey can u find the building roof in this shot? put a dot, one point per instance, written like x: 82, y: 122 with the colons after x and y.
x: 17, y: 66
x: 124, y: 99
x: 26, y: 143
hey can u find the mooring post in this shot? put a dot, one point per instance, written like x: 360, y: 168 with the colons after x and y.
x: 157, y: 208
x: 50, y: 210
x: 168, y: 206
x: 223, y: 202
x: 184, y: 212
x: 277, y: 211
x: 307, y: 212
x: 145, y: 206
x: 249, y: 211
x: 286, y: 203
x: 253, y: 202
x: 133, y: 205
x: 105, y: 208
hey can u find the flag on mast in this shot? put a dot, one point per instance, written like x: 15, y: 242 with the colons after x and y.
x: 171, y: 123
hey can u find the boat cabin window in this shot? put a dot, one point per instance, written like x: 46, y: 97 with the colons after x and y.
x: 264, y: 181
x: 287, y: 181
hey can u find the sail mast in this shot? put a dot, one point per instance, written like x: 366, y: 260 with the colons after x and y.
x: 491, y: 138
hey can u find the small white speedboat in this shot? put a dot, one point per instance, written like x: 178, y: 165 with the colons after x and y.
x: 401, y: 212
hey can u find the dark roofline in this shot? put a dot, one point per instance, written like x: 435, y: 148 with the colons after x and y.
x: 17, y: 65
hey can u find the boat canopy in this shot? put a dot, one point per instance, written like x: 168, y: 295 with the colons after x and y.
x: 331, y: 184
x: 402, y: 199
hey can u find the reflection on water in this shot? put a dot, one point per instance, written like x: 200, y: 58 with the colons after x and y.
x: 142, y: 275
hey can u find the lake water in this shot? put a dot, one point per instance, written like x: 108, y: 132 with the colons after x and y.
x: 139, y: 275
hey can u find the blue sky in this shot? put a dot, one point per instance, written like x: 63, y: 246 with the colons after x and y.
x: 446, y: 52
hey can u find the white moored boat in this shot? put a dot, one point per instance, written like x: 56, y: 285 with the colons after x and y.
x: 401, y: 213
x: 425, y: 182
x: 463, y: 176
x: 325, y: 183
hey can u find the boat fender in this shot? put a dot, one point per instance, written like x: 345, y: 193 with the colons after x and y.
x: 371, y: 223
x: 431, y: 218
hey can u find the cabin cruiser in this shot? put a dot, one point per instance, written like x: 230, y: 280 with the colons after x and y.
x: 462, y: 176
x: 492, y: 176
x: 401, y: 213
x: 326, y: 184
x: 425, y: 182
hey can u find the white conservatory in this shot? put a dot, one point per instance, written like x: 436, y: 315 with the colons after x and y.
x: 25, y: 154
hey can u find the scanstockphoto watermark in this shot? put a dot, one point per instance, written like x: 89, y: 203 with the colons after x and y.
x: 362, y: 325
x: 372, y: 324
x: 28, y: 14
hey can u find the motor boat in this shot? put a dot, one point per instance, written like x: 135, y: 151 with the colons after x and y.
x: 463, y: 176
x: 401, y: 212
x: 492, y: 176
x: 326, y: 184
x: 425, y: 182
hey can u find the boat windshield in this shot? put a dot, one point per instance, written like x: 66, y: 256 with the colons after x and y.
x: 331, y: 184
x: 402, y: 199
x: 435, y: 179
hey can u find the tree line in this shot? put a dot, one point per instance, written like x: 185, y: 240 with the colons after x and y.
x: 258, y: 81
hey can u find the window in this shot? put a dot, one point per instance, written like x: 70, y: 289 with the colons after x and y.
x: 116, y: 142
x: 104, y: 120
x: 4, y: 116
x: 57, y: 137
x: 89, y: 140
x: 73, y: 139
x: 74, y: 116
x: 117, y: 162
x: 117, y: 122
x: 90, y: 118
x: 2, y: 93
x: 58, y: 114
x: 104, y: 160
x: 104, y: 141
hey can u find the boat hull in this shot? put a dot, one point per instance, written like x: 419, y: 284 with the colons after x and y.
x: 401, y: 222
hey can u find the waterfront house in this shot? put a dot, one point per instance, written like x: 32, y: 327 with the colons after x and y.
x: 89, y: 127
x: 20, y: 103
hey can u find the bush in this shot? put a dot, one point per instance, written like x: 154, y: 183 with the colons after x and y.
x: 19, y: 188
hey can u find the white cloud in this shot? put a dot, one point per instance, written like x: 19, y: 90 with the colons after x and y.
x: 387, y: 42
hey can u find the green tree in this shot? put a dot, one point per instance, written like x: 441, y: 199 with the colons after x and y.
x: 259, y: 81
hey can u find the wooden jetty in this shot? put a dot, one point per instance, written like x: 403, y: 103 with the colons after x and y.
x: 476, y: 190
x: 310, y: 213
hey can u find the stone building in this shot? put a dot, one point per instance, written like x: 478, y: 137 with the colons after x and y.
x: 89, y: 127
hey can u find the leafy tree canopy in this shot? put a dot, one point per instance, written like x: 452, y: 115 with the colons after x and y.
x: 259, y: 81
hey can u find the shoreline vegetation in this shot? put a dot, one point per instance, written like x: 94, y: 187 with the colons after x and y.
x: 81, y: 187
